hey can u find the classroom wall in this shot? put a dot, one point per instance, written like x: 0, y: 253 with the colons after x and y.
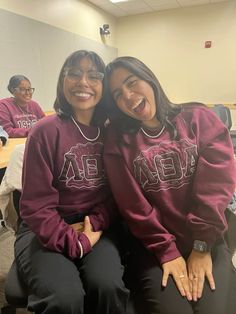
x: 172, y: 43
x: 39, y: 35
x: 76, y: 16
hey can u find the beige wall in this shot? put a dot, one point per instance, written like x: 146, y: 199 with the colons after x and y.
x: 172, y: 44
x: 76, y: 16
x: 37, y: 35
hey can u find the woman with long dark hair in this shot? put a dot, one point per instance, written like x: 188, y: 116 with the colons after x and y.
x: 65, y: 248
x: 170, y: 168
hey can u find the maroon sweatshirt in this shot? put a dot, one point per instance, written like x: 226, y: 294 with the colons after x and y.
x: 16, y: 121
x: 63, y: 175
x: 172, y: 192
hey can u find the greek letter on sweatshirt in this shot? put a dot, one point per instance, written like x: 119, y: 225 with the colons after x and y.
x: 172, y: 192
x: 63, y: 175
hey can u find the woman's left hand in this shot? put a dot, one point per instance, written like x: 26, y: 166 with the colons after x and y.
x: 199, y: 266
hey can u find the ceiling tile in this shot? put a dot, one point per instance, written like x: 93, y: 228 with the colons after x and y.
x: 131, y: 7
x: 113, y: 9
x: 193, y: 2
x: 98, y: 2
x: 214, y: 1
x: 160, y: 2
x: 134, y: 4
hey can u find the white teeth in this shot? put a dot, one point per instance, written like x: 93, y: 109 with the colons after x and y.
x: 137, y: 104
x: 82, y: 94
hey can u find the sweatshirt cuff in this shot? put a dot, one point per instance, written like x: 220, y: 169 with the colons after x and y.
x: 209, y: 239
x: 84, y: 242
x: 210, y: 235
x: 96, y: 224
x: 169, y: 254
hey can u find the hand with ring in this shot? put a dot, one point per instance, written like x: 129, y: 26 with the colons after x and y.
x: 177, y: 268
x: 199, y: 266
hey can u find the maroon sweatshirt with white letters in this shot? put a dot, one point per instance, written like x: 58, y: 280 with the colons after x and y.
x: 63, y: 175
x: 16, y: 121
x: 172, y: 192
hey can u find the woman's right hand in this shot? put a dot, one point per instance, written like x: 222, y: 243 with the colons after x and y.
x: 93, y: 236
x: 177, y: 268
x: 78, y: 227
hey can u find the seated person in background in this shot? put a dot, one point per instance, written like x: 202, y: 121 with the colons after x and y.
x: 3, y: 137
x: 19, y: 113
x: 171, y: 170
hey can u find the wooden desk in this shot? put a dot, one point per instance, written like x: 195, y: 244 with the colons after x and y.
x: 5, y: 151
x: 48, y: 113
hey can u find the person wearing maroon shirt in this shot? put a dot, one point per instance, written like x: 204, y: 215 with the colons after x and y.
x: 171, y: 171
x: 19, y: 113
x: 64, y: 251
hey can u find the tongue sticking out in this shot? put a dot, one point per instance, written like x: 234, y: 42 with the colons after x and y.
x: 140, y: 107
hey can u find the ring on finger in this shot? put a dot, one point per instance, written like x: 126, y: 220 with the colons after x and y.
x: 181, y: 276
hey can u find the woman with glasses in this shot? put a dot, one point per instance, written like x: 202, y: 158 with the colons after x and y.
x: 64, y: 250
x: 19, y: 113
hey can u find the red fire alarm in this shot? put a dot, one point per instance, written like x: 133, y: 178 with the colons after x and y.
x: 208, y: 44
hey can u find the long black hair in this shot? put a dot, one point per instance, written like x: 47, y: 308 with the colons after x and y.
x: 61, y: 105
x: 165, y: 109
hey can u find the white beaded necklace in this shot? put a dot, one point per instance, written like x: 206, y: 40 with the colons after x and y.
x: 24, y: 112
x: 153, y: 136
x: 88, y: 139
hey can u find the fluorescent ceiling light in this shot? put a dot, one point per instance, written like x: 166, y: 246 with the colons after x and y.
x: 117, y: 1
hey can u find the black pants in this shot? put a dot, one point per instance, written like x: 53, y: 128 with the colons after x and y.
x: 147, y: 275
x: 91, y: 285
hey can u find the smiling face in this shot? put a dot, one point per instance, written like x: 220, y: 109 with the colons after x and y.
x: 134, y: 97
x: 22, y: 93
x: 82, y: 89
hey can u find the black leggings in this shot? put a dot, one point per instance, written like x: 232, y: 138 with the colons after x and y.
x: 147, y: 276
x: 91, y: 285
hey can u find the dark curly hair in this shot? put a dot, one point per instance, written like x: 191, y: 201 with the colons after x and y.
x: 61, y: 106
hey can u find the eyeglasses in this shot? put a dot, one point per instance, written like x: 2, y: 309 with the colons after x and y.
x: 92, y: 77
x: 24, y: 91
